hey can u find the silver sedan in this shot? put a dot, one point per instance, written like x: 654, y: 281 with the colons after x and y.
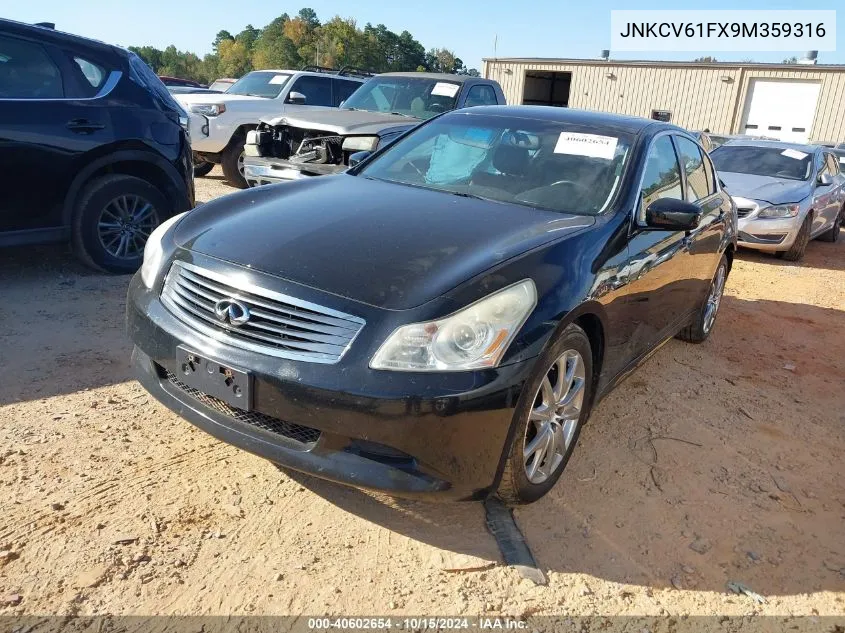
x: 786, y: 194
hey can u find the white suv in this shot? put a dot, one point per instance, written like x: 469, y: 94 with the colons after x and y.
x: 219, y: 122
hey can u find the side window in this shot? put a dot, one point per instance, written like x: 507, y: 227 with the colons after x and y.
x: 662, y: 176
x: 94, y: 74
x: 317, y: 90
x: 27, y: 72
x: 832, y: 164
x: 481, y: 95
x: 343, y: 89
x: 699, y: 185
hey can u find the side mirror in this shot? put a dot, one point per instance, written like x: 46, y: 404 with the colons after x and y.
x: 825, y: 180
x: 296, y: 97
x: 357, y: 157
x: 670, y: 214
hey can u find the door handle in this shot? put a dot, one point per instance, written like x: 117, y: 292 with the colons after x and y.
x: 83, y: 126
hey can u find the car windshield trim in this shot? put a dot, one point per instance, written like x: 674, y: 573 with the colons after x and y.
x: 546, y: 165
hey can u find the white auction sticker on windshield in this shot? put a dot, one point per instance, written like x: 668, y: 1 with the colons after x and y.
x: 278, y: 79
x: 794, y: 153
x: 443, y: 89
x: 592, y: 145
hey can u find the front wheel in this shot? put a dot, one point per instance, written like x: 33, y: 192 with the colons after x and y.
x: 554, y: 405
x: 799, y: 246
x: 232, y: 162
x: 702, y: 324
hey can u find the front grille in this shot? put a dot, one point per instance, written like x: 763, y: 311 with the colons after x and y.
x: 304, y: 435
x: 277, y: 325
x: 742, y: 212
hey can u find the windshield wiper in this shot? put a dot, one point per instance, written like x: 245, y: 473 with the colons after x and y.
x: 410, y: 116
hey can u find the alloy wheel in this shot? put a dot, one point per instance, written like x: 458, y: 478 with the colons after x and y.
x: 554, y: 417
x: 241, y: 163
x: 714, y: 299
x: 124, y: 225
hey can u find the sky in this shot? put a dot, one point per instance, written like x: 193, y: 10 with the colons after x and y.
x: 539, y: 28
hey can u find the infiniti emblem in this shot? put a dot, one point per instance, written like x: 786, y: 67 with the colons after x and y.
x: 231, y: 311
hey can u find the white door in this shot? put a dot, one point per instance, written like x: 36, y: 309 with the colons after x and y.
x: 781, y: 109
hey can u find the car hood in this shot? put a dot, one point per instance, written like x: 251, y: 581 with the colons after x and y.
x: 383, y: 244
x: 765, y: 188
x: 223, y: 97
x: 345, y: 122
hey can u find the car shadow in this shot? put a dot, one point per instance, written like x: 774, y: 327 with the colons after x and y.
x: 711, y: 463
x: 819, y: 254
x: 61, y: 325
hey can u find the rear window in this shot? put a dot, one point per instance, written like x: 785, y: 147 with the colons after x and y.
x: 144, y: 76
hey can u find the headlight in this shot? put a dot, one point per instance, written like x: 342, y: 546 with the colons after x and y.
x: 472, y: 338
x: 779, y: 211
x: 207, y: 109
x: 153, y: 253
x: 360, y: 143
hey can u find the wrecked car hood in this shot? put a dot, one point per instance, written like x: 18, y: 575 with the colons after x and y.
x: 345, y: 122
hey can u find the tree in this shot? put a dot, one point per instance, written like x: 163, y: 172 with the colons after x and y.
x: 293, y: 42
x: 707, y: 60
x: 790, y: 60
x: 221, y: 36
x: 234, y: 58
x: 248, y: 36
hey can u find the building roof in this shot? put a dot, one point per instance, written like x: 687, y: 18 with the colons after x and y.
x: 620, y: 122
x: 664, y: 63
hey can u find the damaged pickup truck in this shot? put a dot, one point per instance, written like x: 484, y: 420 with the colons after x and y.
x: 321, y: 142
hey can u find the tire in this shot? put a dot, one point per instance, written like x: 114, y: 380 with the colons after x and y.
x: 800, y: 245
x: 202, y: 169
x: 832, y: 235
x: 231, y: 160
x: 107, y: 207
x: 518, y: 485
x: 702, y: 325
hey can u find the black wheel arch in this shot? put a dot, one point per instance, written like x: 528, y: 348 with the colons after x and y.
x: 132, y: 162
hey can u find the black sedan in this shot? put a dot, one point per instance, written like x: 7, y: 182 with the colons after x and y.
x: 438, y: 321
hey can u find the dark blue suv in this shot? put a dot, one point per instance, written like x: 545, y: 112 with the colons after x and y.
x: 93, y: 149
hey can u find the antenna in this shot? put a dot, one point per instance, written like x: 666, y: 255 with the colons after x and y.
x: 495, y: 44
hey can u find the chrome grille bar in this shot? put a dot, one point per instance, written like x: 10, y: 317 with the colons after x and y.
x: 278, y: 325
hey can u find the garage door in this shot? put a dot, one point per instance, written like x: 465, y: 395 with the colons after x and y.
x: 781, y: 109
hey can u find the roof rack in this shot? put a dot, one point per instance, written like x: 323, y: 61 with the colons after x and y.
x: 344, y: 71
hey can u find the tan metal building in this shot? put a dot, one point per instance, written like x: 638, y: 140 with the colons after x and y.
x: 794, y: 102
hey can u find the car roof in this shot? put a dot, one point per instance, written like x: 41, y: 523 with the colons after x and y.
x: 624, y: 123
x: 54, y: 36
x: 441, y: 76
x: 801, y: 147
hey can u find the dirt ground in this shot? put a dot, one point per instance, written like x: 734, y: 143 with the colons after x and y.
x: 713, y: 463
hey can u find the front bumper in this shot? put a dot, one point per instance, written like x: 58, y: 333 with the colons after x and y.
x: 438, y: 436
x: 767, y: 234
x: 260, y: 170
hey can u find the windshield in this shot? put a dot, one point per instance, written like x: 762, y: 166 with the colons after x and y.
x: 260, y: 83
x: 544, y: 164
x: 776, y: 162
x: 419, y: 98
